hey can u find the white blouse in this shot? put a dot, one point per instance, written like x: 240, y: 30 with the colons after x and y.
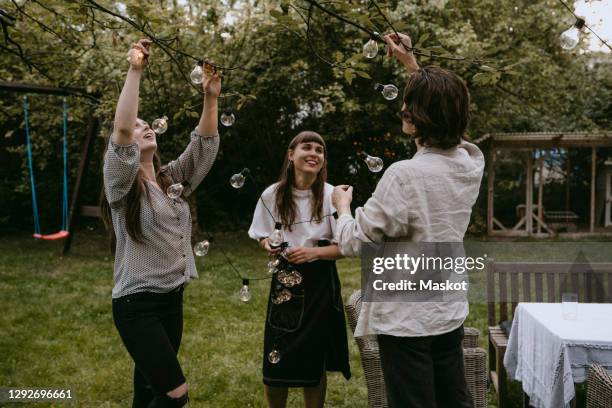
x: 303, y: 232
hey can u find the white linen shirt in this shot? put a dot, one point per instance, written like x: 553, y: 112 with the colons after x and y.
x: 426, y: 199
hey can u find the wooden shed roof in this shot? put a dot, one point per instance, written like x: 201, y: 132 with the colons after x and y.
x: 547, y: 139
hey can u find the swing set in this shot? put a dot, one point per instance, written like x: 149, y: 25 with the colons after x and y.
x: 68, y: 210
x: 63, y: 233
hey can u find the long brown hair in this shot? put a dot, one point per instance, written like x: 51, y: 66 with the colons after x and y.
x: 132, y: 202
x: 285, y: 205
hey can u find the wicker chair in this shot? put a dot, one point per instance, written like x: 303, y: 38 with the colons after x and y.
x: 474, y: 358
x: 599, y: 387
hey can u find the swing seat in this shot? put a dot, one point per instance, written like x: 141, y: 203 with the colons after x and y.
x: 52, y: 237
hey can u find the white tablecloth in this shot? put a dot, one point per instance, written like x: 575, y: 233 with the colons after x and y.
x: 549, y: 354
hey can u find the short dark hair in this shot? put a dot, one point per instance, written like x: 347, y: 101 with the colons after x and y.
x: 437, y: 103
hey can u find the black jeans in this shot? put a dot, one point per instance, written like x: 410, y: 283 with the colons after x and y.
x: 424, y: 372
x: 151, y: 327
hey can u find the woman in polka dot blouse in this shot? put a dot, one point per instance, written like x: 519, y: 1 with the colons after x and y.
x: 151, y: 235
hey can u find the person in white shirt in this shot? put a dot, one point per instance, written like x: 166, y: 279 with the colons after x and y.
x: 426, y: 199
x: 305, y: 329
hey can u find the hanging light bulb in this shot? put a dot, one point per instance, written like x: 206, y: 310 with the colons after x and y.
x: 274, y: 356
x: 135, y: 56
x: 282, y: 297
x: 237, y: 180
x: 175, y: 190
x: 276, y: 238
x: 201, y: 248
x: 160, y: 125
x: 375, y: 164
x: 370, y: 49
x: 196, y: 73
x: 244, y: 294
x: 271, y: 268
x: 227, y: 117
x: 296, y: 277
x: 570, y: 37
x: 389, y: 91
x: 283, y: 277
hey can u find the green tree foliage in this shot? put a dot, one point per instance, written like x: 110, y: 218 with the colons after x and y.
x: 524, y: 81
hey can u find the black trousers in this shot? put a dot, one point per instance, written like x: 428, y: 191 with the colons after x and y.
x: 424, y: 372
x: 151, y: 327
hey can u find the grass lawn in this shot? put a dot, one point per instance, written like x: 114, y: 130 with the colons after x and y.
x: 57, y: 328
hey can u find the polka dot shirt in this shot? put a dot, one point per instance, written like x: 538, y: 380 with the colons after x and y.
x: 164, y: 260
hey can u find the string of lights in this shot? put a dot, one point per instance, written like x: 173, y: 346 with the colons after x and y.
x: 570, y: 37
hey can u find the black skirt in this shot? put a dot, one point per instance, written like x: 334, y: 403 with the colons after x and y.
x: 306, y: 334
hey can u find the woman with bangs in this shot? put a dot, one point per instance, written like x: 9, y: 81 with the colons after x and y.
x: 305, y: 329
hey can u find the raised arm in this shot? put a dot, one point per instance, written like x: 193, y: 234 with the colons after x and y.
x: 396, y: 49
x: 208, y: 120
x: 127, y: 106
x: 196, y: 161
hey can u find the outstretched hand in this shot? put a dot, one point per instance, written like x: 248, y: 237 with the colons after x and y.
x: 402, y: 52
x: 138, y: 55
x: 342, y: 197
x: 212, y: 81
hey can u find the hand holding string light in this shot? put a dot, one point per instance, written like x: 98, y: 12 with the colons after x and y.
x: 400, y: 46
x: 138, y: 55
x: 341, y: 198
x: 211, y: 84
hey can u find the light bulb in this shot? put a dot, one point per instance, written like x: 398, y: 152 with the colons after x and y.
x: 389, y: 92
x: 285, y: 248
x: 201, y: 248
x: 289, y: 279
x: 196, y: 74
x: 237, y: 180
x: 276, y: 237
x: 244, y: 294
x: 353, y: 169
x: 570, y: 37
x: 160, y: 125
x: 370, y: 49
x: 284, y: 278
x: 296, y: 277
x: 271, y: 268
x: 282, y: 297
x: 228, y: 118
x: 175, y: 190
x: 135, y: 57
x: 274, y: 356
x: 375, y: 164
